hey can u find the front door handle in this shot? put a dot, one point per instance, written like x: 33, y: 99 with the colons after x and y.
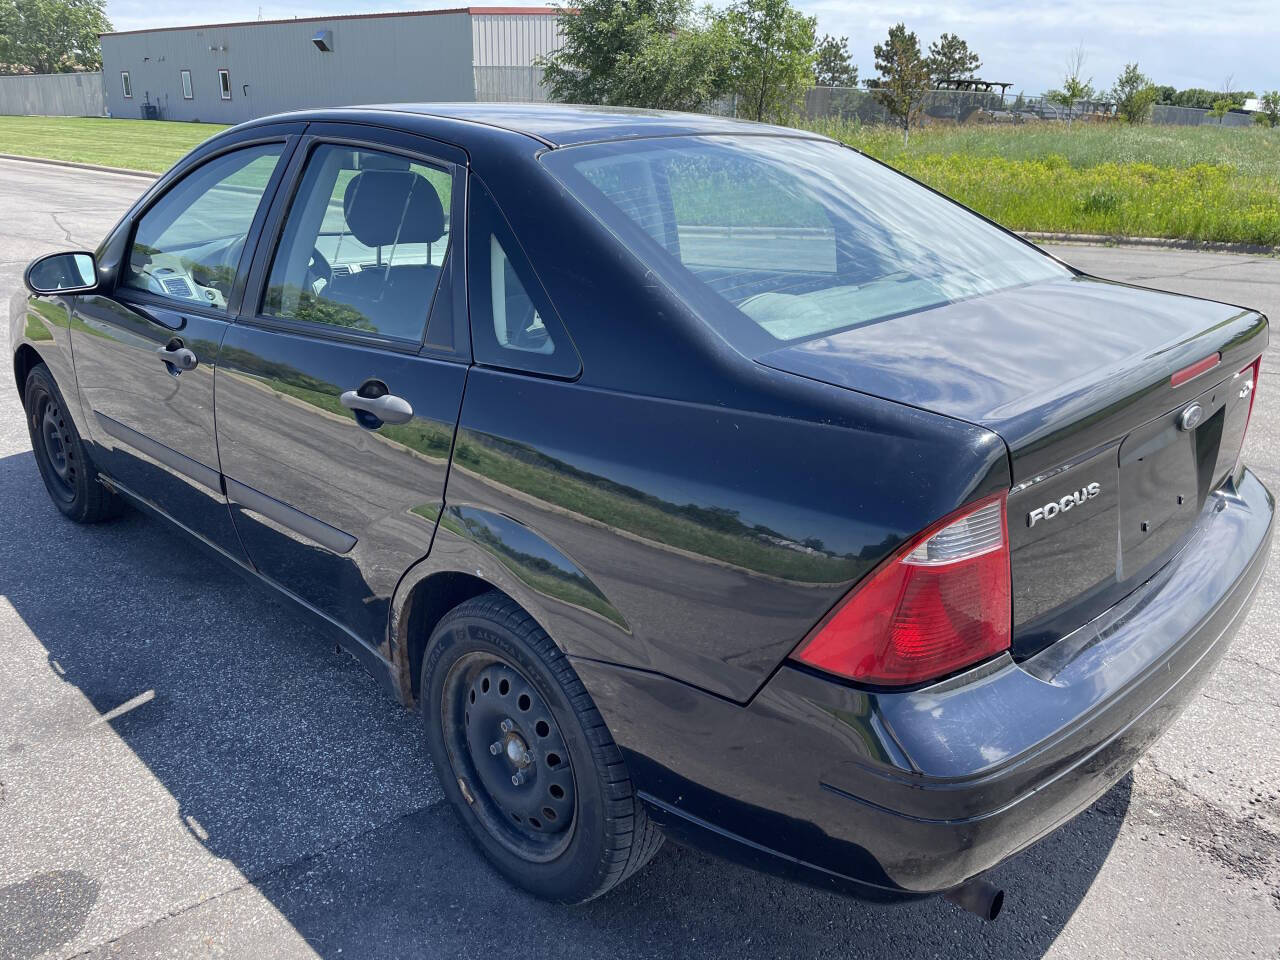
x: 177, y: 357
x: 387, y: 408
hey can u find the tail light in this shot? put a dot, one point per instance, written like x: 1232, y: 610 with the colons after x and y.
x: 1246, y: 382
x: 941, y: 602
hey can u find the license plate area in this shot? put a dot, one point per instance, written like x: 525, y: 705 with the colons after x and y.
x: 1166, y: 472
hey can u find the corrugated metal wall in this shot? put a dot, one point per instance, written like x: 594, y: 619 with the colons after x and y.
x: 274, y: 66
x: 512, y: 40
x: 504, y: 48
x: 53, y: 95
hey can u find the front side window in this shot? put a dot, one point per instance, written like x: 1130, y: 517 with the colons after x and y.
x: 224, y: 84
x: 780, y: 239
x: 363, y: 244
x: 187, y: 246
x: 186, y: 84
x: 126, y: 84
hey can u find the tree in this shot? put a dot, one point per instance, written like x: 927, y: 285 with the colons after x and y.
x: 772, y: 57
x: 1221, y: 108
x: 1074, y: 89
x: 1133, y: 93
x: 684, y: 69
x: 642, y: 53
x: 833, y: 67
x: 1270, y: 112
x: 51, y: 36
x: 904, y: 77
x: 951, y: 59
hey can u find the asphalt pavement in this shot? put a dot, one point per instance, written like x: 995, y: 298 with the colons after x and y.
x: 187, y: 771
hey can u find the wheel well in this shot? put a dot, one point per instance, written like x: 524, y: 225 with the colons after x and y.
x: 23, y: 361
x: 427, y: 605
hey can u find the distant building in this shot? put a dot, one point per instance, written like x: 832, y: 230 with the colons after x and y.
x: 229, y: 72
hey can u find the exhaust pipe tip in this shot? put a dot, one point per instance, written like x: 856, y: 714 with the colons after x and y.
x: 979, y: 897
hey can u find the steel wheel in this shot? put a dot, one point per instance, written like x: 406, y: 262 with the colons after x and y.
x: 510, y: 756
x: 49, y: 425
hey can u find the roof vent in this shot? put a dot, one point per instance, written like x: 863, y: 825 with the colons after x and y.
x: 323, y: 41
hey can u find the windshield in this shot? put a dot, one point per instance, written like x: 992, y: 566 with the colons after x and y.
x: 775, y: 239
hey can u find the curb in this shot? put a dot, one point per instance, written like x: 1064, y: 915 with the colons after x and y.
x: 121, y: 171
x: 1162, y: 243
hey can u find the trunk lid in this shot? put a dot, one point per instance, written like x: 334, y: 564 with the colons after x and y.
x: 1077, y: 377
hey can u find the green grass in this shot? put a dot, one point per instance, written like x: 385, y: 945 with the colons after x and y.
x: 152, y: 145
x: 1192, y: 183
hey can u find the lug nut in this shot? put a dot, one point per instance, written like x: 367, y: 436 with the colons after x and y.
x: 495, y: 748
x: 505, y: 726
x: 526, y: 758
x: 517, y: 778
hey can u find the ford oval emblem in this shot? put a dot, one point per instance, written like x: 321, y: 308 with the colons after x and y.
x: 1190, y: 418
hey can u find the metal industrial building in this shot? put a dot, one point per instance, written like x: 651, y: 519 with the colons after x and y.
x: 229, y: 72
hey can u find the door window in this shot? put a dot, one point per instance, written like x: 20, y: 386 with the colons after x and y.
x: 224, y: 84
x: 363, y: 243
x: 186, y: 84
x: 187, y: 247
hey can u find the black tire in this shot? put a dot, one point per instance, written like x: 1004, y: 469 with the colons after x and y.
x: 65, y: 465
x: 489, y: 644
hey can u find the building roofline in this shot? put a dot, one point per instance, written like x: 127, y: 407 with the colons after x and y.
x: 472, y: 11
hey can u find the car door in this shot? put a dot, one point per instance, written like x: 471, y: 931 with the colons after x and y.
x: 339, y: 386
x: 146, y: 348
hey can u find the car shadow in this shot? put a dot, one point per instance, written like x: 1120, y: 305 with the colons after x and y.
x: 288, y: 761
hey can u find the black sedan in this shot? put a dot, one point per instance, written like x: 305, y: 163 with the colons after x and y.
x: 718, y: 483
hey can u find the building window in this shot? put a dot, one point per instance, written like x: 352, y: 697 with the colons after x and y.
x: 126, y: 84
x: 186, y: 84
x: 224, y: 84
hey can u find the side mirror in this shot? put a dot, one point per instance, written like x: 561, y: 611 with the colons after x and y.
x: 62, y: 273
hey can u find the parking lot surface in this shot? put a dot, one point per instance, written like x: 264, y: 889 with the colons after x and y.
x: 186, y: 771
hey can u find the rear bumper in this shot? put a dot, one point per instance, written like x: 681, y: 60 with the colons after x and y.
x: 890, y: 795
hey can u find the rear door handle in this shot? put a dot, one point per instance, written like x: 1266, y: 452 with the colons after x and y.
x: 387, y: 408
x: 177, y: 357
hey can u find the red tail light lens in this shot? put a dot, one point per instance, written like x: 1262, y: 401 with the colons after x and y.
x: 1246, y: 383
x: 940, y: 603
x: 1248, y: 380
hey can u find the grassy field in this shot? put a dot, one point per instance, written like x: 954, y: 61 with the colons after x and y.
x: 1192, y: 183
x: 136, y: 144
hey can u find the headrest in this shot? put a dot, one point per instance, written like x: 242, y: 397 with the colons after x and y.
x: 392, y: 206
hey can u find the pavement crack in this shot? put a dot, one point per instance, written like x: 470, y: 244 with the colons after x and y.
x: 66, y: 234
x: 252, y: 880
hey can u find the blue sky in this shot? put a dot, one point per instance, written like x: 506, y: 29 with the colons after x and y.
x: 1186, y: 43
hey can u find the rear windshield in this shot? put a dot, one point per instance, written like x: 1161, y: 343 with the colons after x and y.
x: 774, y: 239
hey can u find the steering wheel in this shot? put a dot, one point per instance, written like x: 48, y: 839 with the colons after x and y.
x: 318, y: 268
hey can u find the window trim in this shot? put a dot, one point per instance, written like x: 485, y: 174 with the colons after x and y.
x: 121, y: 291
x: 126, y: 84
x: 224, y: 83
x: 272, y: 235
x: 184, y: 77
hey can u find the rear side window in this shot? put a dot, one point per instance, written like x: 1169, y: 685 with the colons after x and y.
x: 187, y: 247
x: 363, y: 244
x: 513, y: 323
